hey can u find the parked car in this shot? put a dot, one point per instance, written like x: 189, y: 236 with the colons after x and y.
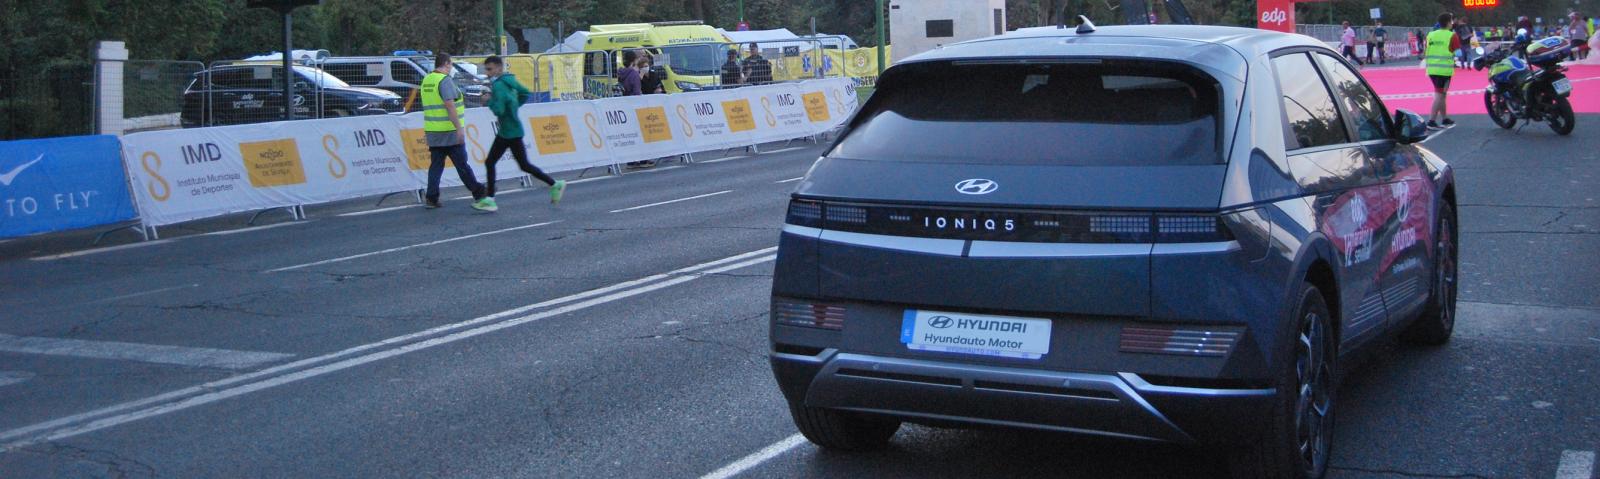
x: 253, y: 93
x: 403, y: 75
x: 1169, y: 233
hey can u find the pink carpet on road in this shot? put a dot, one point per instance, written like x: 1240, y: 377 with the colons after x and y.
x: 1409, y: 88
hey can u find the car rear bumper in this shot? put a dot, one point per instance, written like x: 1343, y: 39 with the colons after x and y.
x: 1112, y: 404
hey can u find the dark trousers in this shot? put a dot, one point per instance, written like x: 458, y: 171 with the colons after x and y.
x: 1378, y: 46
x: 458, y: 157
x: 1350, y: 53
x: 519, y: 152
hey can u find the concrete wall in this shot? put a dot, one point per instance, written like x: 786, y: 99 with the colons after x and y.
x: 908, y: 23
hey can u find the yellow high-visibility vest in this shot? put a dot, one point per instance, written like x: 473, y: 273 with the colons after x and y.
x: 434, y: 117
x: 1437, y: 56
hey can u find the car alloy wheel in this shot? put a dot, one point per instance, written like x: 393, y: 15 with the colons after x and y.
x: 1314, y: 404
x: 1445, y: 295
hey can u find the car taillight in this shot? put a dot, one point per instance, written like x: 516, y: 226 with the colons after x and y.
x: 805, y: 213
x: 1191, y: 229
x: 1186, y: 340
x: 808, y: 314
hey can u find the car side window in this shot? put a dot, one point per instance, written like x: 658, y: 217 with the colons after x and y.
x: 404, y: 73
x: 233, y: 79
x: 1359, y: 101
x: 1313, y: 119
x: 353, y: 73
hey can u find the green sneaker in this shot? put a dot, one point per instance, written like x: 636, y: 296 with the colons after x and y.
x: 558, y: 189
x: 485, y: 204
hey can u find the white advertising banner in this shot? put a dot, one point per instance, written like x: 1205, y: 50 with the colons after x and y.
x: 199, y: 173
x: 638, y: 128
x: 779, y: 114
x: 703, y: 121
x: 564, y: 136
x: 182, y: 175
x: 828, y: 103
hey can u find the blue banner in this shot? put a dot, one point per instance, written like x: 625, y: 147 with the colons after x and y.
x: 59, y: 184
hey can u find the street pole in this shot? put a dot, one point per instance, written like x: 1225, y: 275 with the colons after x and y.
x: 882, y: 42
x: 500, y: 25
x: 288, y: 70
x: 741, y: 10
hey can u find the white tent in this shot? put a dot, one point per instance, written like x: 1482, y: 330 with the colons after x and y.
x: 573, y: 43
x: 306, y: 56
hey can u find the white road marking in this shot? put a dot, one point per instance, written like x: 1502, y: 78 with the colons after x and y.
x: 497, y: 193
x: 783, y: 150
x: 8, y: 378
x: 1576, y: 465
x: 255, y: 228
x: 403, y: 248
x: 1436, y: 134
x: 146, y: 293
x: 148, y: 353
x: 668, y: 202
x: 185, y: 398
x: 791, y: 180
x: 586, y: 180
x: 379, y: 210
x: 729, y: 158
x: 103, y: 250
x: 755, y: 459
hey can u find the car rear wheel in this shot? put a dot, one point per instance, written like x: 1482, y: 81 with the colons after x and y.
x: 1299, y: 436
x: 1439, y: 319
x: 842, y: 430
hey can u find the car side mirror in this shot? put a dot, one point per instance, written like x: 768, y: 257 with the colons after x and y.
x: 1409, y: 127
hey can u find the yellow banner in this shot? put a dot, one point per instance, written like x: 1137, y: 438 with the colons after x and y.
x: 273, y: 163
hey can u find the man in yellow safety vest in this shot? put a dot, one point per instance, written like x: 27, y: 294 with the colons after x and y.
x: 1438, y: 55
x: 443, y: 109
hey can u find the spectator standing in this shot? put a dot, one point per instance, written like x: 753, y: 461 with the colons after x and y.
x: 649, y: 80
x: 757, y: 69
x: 1463, y: 37
x: 1375, y: 42
x: 1579, y: 34
x: 1439, y: 63
x: 444, y: 107
x: 505, y: 97
x: 1347, y: 43
x: 628, y: 76
x: 732, y: 73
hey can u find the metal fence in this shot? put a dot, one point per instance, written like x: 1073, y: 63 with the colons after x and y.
x: 153, y: 92
x: 237, y: 93
x: 1332, y: 33
x: 55, y: 100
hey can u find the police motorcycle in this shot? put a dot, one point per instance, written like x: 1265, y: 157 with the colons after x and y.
x: 1517, y: 92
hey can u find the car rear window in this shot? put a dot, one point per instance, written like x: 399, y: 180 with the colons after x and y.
x: 1082, y: 113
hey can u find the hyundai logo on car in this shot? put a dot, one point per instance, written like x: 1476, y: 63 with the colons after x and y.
x: 940, y: 322
x: 977, y: 186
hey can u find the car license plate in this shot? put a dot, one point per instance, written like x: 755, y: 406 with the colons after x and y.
x: 1563, y: 86
x: 976, y: 334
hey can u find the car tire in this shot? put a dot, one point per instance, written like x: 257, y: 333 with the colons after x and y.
x: 1438, y: 320
x: 1298, y: 438
x: 842, y: 430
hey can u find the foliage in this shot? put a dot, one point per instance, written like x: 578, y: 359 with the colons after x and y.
x: 45, y: 33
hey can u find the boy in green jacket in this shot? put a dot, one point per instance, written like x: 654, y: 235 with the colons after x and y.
x: 505, y: 97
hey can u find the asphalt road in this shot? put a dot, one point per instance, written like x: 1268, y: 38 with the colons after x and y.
x: 603, y: 337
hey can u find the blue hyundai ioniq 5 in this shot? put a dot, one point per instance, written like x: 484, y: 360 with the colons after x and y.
x: 1171, y: 233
